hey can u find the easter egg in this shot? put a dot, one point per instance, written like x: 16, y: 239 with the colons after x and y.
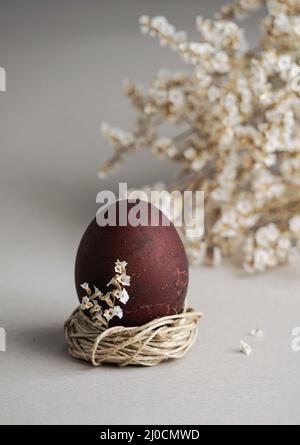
x: 156, y: 264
